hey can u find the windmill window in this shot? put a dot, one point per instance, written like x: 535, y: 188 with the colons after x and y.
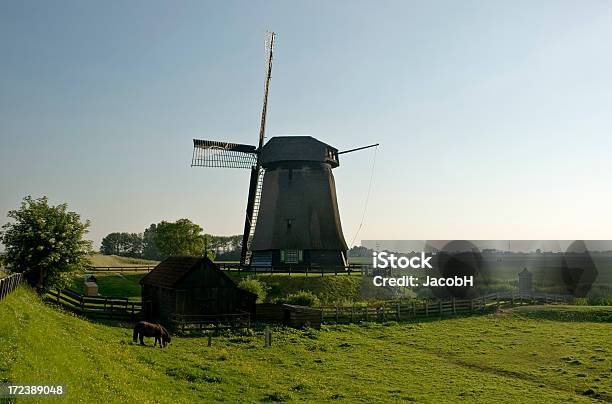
x: 291, y: 256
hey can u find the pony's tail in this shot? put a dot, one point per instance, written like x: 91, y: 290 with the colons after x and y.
x: 135, y: 335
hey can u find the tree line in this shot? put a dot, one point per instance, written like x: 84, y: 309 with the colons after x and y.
x: 164, y: 239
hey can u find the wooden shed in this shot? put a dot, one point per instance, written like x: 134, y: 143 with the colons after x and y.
x: 192, y: 286
x: 289, y: 314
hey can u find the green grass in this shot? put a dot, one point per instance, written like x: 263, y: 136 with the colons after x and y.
x: 567, y: 313
x: 328, y: 289
x: 99, y: 260
x: 508, y: 357
x: 125, y: 284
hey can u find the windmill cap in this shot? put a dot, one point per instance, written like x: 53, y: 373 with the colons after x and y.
x: 299, y: 149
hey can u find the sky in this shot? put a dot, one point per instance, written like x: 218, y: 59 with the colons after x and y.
x: 494, y: 118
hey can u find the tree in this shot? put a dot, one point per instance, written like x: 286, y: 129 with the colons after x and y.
x: 47, y: 240
x: 123, y: 244
x: 360, y: 251
x: 179, y: 238
x: 149, y: 248
x: 228, y: 248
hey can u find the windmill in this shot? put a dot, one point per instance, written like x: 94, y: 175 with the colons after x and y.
x: 292, y: 216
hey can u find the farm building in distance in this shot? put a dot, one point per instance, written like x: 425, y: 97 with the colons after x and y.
x: 191, y: 286
x: 525, y: 281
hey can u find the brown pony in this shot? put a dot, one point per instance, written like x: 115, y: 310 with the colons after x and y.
x: 144, y: 329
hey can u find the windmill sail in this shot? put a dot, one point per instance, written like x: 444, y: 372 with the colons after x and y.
x: 210, y: 153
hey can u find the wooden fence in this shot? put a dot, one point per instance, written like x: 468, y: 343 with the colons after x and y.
x: 98, y: 306
x: 235, y: 267
x: 10, y: 283
x: 400, y: 311
x: 205, y: 322
x: 132, y: 268
x: 300, y: 270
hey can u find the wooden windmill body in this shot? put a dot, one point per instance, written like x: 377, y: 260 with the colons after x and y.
x: 292, y: 218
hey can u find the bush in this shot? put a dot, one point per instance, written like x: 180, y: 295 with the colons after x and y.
x: 49, y: 240
x: 254, y: 286
x: 303, y: 298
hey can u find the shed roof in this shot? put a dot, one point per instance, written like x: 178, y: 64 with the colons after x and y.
x: 171, y: 270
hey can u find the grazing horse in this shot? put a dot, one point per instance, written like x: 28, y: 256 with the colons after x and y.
x: 144, y: 329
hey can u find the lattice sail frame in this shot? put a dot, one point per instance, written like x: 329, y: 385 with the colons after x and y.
x: 210, y: 153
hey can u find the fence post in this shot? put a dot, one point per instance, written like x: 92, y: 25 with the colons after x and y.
x: 454, y: 307
x: 426, y: 309
x: 440, y: 306
x: 399, y: 309
x: 82, y: 304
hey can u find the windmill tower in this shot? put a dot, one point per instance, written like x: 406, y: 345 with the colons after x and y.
x: 292, y: 217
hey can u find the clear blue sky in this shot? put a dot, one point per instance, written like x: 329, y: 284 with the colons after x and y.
x: 494, y: 118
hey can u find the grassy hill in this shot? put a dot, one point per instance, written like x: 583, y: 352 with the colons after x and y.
x: 513, y: 356
x: 329, y: 289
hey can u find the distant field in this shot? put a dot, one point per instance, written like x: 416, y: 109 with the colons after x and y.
x: 507, y: 357
x: 99, y: 260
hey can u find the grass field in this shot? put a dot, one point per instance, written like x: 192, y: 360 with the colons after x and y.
x: 514, y: 356
x: 124, y: 284
x: 99, y: 260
